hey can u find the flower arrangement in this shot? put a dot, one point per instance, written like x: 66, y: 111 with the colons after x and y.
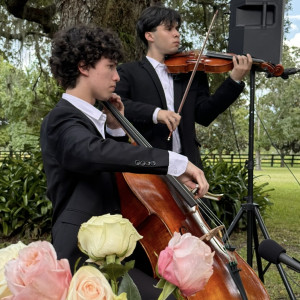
x: 34, y: 272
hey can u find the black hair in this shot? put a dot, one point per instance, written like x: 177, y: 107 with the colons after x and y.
x: 81, y: 43
x: 152, y: 17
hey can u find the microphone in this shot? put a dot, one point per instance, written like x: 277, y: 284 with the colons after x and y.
x: 274, y: 253
x: 289, y: 71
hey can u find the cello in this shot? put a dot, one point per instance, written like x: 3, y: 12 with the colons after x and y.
x: 159, y: 205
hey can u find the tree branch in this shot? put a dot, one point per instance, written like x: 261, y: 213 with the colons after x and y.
x: 19, y: 36
x: 42, y: 16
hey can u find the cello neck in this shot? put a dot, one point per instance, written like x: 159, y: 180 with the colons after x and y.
x: 127, y: 126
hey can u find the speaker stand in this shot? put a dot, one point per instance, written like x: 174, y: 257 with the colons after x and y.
x: 252, y: 209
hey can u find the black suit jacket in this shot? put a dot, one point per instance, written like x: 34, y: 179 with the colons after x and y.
x: 142, y: 92
x: 80, y: 165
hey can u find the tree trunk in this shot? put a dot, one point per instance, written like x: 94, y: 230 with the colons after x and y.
x: 220, y: 155
x: 119, y: 15
x: 282, y: 165
x: 257, y: 160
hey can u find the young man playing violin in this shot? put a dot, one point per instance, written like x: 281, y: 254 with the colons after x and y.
x: 82, y: 147
x: 152, y: 96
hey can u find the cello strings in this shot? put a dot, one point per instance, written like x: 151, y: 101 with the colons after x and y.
x: 212, y: 217
x: 210, y: 214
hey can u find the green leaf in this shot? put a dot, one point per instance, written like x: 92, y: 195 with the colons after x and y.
x: 3, y: 208
x: 25, y: 199
x: 168, y: 289
x: 129, y: 265
x: 5, y: 228
x: 115, y: 271
x: 161, y: 283
x: 128, y: 286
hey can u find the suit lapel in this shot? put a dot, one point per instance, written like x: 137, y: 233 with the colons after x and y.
x: 149, y: 68
x: 91, y: 125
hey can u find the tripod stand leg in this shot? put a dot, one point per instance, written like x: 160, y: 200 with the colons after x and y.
x: 261, y: 223
x: 252, y: 235
x: 285, y: 282
x: 256, y: 244
x: 232, y: 225
x: 250, y: 222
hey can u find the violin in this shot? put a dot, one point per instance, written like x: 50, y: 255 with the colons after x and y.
x: 213, y: 62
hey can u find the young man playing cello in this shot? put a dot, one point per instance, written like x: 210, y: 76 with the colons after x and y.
x: 82, y: 147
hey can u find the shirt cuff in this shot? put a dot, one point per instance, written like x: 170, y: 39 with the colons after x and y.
x: 154, y: 117
x: 177, y: 164
x: 237, y: 81
x: 115, y: 132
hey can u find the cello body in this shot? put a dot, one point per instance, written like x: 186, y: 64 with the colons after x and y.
x: 157, y: 210
x: 158, y: 207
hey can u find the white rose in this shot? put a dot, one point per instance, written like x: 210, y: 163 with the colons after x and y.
x: 89, y: 283
x: 7, y: 254
x: 107, y: 235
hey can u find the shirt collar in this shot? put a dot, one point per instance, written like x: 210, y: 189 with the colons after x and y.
x: 154, y: 62
x: 87, y: 108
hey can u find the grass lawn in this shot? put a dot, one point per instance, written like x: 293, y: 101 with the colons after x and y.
x: 282, y: 222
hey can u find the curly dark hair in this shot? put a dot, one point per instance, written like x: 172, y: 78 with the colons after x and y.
x: 81, y: 43
x: 154, y: 16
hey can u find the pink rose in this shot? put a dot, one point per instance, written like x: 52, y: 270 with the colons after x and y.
x: 186, y: 262
x: 6, y: 254
x: 37, y: 274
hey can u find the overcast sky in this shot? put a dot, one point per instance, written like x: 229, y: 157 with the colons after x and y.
x: 294, y: 15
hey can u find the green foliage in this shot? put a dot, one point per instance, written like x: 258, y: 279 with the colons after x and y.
x: 278, y: 110
x: 232, y: 181
x: 228, y: 133
x: 25, y: 97
x: 24, y: 207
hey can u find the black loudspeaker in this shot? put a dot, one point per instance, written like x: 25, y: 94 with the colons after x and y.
x: 256, y: 27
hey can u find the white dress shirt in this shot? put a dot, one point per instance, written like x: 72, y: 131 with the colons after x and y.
x: 167, y: 83
x: 177, y: 162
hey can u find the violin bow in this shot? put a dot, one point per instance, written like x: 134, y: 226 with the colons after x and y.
x: 195, y: 69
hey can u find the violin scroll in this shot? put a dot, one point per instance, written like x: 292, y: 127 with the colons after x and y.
x: 271, y: 69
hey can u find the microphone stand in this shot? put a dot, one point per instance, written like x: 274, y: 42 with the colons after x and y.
x: 252, y: 209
